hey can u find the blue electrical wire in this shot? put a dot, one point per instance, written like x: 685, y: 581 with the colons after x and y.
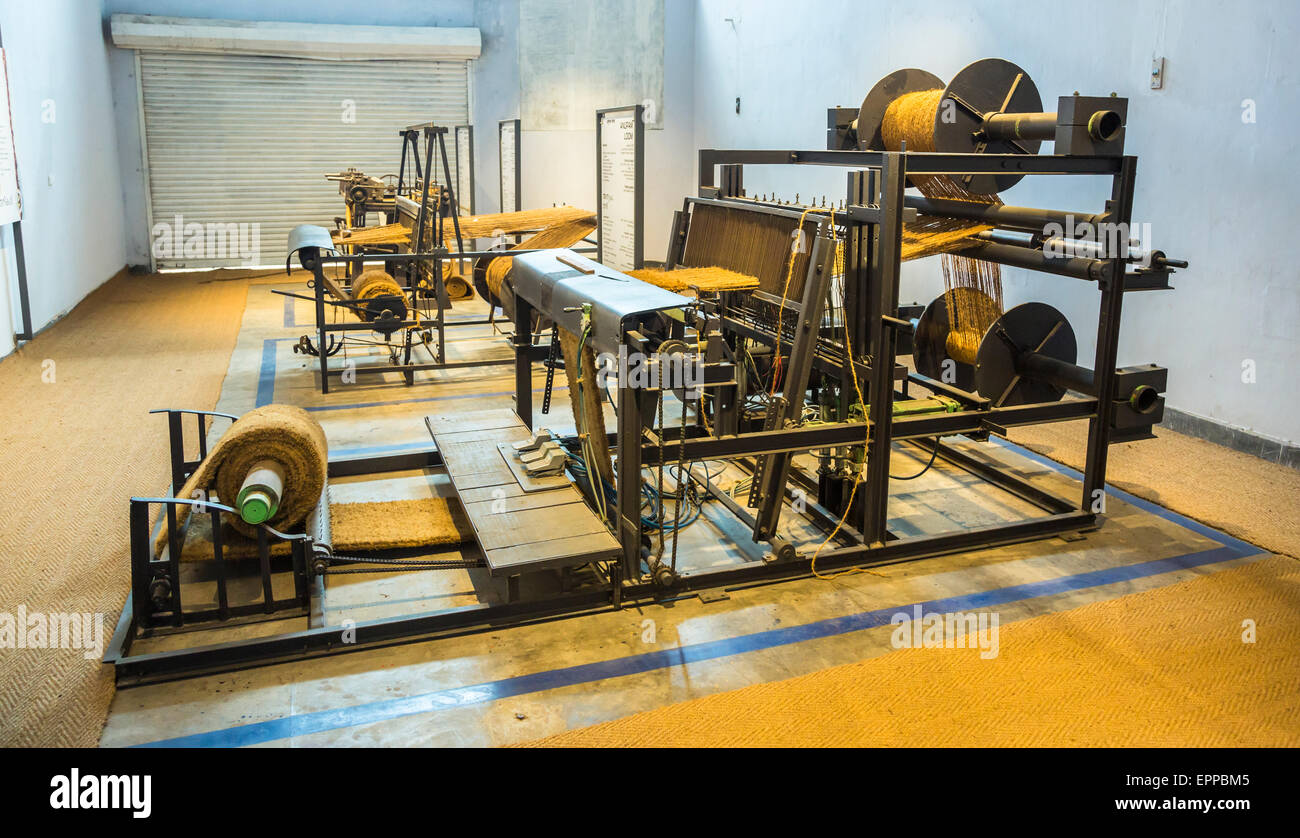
x: 650, y: 518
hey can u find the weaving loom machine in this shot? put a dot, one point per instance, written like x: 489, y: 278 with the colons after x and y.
x: 421, y: 247
x: 802, y: 384
x: 798, y: 376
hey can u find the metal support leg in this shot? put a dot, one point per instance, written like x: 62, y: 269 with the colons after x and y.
x: 523, y: 342
x: 1108, y: 322
x: 882, y: 302
x: 318, y: 270
x: 631, y: 404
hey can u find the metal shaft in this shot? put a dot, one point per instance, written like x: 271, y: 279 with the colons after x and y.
x: 1029, y: 219
x: 1036, y: 260
x: 1058, y: 372
x: 1020, y: 126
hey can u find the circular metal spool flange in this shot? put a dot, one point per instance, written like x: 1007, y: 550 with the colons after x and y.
x: 930, y: 343
x: 990, y: 85
x: 1029, y: 327
x: 871, y: 116
x: 375, y: 307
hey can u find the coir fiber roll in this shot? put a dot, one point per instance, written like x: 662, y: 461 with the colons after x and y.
x: 457, y: 287
x: 284, y: 434
x: 688, y: 280
x: 587, y: 402
x: 374, y: 283
x: 566, y: 234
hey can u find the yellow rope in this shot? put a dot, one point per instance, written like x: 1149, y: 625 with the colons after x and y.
x: 853, y: 371
x: 785, y: 292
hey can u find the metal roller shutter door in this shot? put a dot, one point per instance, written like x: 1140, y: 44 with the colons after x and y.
x: 241, y: 139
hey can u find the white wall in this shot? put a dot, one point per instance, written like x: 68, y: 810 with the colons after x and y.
x: 560, y: 166
x: 1217, y: 191
x: 72, y: 192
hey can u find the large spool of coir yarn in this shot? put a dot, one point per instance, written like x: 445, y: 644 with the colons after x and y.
x: 377, y: 292
x: 270, y: 465
x: 910, y: 122
x: 495, y: 287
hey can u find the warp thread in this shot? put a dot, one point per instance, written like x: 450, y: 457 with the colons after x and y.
x: 911, y: 119
x: 753, y: 244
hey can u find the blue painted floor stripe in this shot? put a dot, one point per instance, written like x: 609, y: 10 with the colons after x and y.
x: 378, y: 711
x: 266, y: 375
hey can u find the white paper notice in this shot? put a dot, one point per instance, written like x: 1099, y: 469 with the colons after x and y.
x: 464, y: 174
x: 618, y: 190
x: 10, y: 200
x: 509, y: 200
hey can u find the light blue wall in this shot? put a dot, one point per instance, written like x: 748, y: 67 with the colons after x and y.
x: 1218, y: 192
x: 72, y: 191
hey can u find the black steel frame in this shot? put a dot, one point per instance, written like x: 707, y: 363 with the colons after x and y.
x: 442, y: 208
x: 875, y: 208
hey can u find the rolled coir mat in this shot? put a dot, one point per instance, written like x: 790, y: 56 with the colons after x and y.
x: 270, y: 465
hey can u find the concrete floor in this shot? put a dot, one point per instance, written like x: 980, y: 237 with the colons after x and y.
x: 516, y: 684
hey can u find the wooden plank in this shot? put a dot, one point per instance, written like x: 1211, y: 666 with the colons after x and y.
x: 476, y: 457
x: 481, y: 509
x: 519, y: 530
x: 558, y: 552
x: 474, y: 420
x: 484, y: 493
x: 493, y: 435
x: 527, y: 526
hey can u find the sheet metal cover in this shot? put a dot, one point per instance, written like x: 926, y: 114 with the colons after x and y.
x: 552, y: 286
x: 310, y: 235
